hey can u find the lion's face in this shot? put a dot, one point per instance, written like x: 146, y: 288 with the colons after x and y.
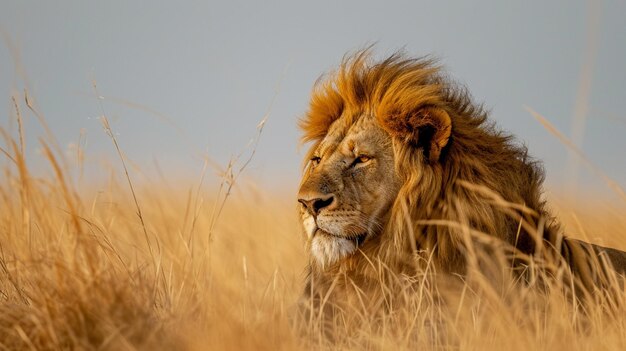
x: 347, y: 189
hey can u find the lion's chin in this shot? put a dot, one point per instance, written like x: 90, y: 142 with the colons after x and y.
x: 328, y: 248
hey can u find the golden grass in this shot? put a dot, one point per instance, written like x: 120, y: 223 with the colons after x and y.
x: 125, y: 266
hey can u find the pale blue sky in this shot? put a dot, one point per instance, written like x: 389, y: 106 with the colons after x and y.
x: 213, y: 67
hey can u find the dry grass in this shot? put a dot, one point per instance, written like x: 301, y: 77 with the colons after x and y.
x: 104, y: 267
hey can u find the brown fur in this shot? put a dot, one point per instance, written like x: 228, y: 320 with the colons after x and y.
x: 456, y: 170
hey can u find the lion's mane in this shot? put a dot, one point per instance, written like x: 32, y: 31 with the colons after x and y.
x: 481, y: 179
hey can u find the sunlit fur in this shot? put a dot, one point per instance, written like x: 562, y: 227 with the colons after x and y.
x: 482, y: 180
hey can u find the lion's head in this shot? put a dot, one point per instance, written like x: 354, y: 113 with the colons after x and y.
x: 390, y: 142
x: 348, y: 188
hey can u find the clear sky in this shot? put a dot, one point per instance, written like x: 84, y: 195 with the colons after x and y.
x: 212, y: 69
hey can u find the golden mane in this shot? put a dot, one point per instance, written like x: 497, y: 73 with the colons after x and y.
x: 361, y: 87
x: 479, y: 179
x: 477, y: 153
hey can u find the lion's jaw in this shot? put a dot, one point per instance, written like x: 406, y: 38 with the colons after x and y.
x: 352, y: 177
x: 327, y: 247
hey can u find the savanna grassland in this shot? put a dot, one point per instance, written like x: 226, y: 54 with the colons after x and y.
x: 219, y: 264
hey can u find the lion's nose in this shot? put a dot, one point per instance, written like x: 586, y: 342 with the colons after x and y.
x: 315, y: 204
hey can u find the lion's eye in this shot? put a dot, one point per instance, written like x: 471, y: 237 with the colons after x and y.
x: 316, y: 160
x: 361, y: 159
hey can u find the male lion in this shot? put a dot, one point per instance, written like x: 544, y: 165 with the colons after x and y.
x: 404, y: 165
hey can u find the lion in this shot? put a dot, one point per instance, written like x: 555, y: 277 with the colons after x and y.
x: 403, y: 164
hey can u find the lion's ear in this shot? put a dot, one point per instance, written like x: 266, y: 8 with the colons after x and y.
x: 428, y: 128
